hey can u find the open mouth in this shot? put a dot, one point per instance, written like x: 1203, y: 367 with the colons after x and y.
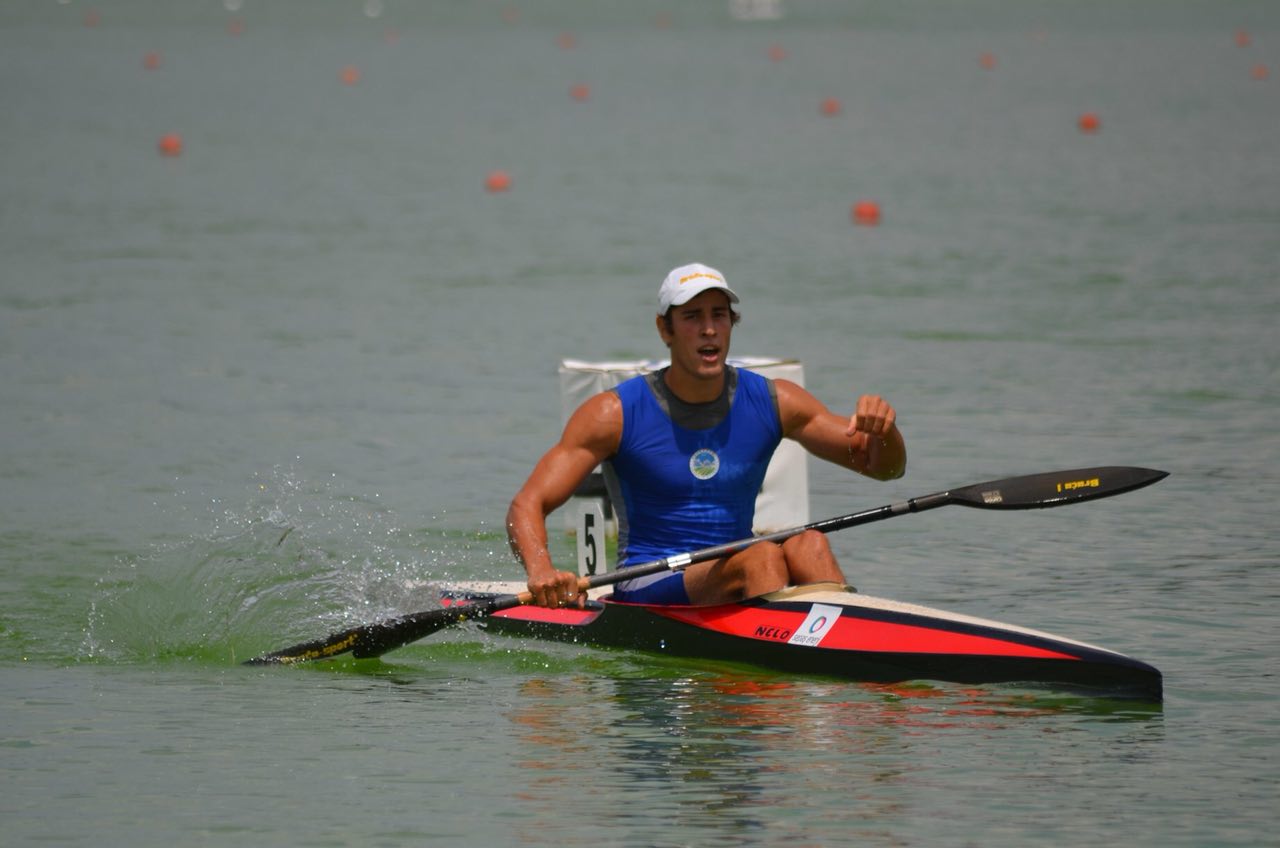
x: 709, y: 353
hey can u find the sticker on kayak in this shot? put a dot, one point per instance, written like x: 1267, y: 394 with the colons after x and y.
x: 816, y: 625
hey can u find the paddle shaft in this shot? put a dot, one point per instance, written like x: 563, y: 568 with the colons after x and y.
x: 1035, y: 491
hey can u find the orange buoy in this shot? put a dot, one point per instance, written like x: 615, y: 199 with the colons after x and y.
x: 663, y: 20
x: 567, y: 41
x: 987, y: 61
x: 1243, y: 38
x: 777, y: 53
x: 580, y: 92
x: 866, y: 213
x: 831, y: 107
x: 235, y: 26
x: 497, y: 181
x: 391, y: 37
x: 1260, y: 72
x: 1089, y: 123
x: 92, y: 18
x: 350, y: 75
x: 170, y: 144
x: 151, y: 61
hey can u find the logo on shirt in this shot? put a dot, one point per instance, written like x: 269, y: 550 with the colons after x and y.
x: 704, y: 464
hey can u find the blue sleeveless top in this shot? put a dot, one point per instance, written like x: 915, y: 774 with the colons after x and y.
x: 676, y: 489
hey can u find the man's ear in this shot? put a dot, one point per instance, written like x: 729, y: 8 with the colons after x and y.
x: 661, y: 323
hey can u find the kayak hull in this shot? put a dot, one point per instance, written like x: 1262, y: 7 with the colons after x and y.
x: 830, y: 630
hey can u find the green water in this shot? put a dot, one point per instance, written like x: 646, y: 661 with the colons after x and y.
x: 286, y: 383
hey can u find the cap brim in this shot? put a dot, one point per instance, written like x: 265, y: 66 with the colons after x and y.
x: 687, y: 294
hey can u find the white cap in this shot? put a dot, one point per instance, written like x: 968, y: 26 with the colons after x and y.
x: 685, y: 283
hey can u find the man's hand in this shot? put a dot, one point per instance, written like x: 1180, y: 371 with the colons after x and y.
x: 875, y: 445
x: 556, y: 589
x: 873, y: 416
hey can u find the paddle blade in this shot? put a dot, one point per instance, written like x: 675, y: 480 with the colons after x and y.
x: 1056, y: 488
x: 371, y: 640
x: 385, y: 636
x: 318, y: 649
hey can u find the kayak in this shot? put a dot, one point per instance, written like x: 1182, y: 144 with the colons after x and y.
x: 829, y: 630
x: 825, y: 629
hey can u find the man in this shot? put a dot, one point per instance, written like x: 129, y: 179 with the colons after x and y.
x: 685, y: 451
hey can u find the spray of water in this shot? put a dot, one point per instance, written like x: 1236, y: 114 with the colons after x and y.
x: 293, y: 560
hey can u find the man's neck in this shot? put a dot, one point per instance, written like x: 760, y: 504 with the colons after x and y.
x: 694, y: 415
x: 693, y: 389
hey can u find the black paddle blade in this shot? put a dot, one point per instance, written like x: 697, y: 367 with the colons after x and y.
x: 373, y: 640
x: 1056, y: 488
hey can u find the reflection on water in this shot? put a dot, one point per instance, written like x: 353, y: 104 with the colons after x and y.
x: 708, y: 751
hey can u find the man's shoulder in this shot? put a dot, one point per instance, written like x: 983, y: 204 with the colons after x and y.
x: 639, y: 387
x: 604, y: 402
x: 794, y: 399
x: 596, y: 423
x: 746, y: 376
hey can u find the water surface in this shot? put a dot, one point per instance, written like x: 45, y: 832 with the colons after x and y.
x: 288, y: 380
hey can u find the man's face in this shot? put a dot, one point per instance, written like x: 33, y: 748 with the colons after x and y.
x: 699, y: 334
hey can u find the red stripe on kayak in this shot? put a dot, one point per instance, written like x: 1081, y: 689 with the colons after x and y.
x: 852, y: 634
x: 568, y: 616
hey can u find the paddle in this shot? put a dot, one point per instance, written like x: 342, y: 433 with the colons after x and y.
x: 1035, y: 491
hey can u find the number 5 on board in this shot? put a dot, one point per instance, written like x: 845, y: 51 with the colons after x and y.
x: 591, y: 538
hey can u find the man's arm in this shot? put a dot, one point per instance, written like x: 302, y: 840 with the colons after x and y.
x: 868, y: 442
x: 591, y: 436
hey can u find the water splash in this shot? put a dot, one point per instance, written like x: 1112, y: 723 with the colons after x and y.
x: 296, y: 560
